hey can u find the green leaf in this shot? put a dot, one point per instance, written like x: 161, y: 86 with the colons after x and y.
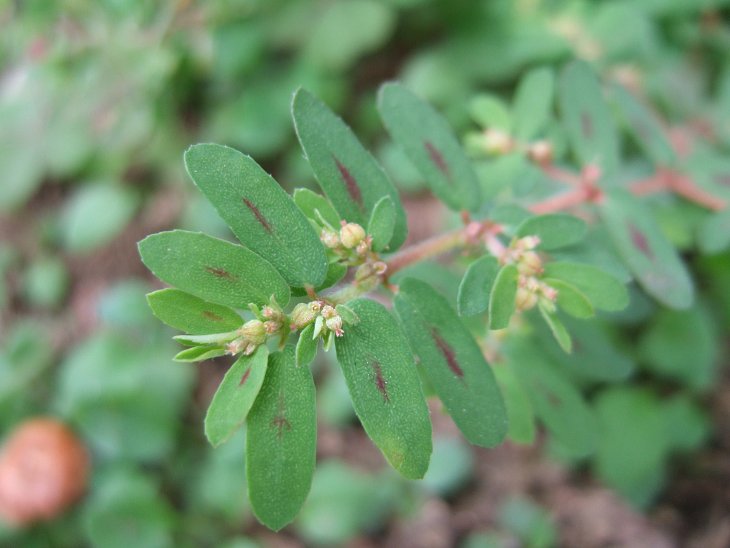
x: 386, y: 392
x: 556, y: 402
x: 476, y: 286
x: 235, y: 396
x: 571, y: 299
x: 555, y: 230
x: 502, y: 297
x: 261, y: 215
x: 520, y: 415
x: 316, y: 207
x: 714, y: 232
x: 349, y: 175
x: 190, y: 314
x: 200, y: 353
x: 306, y: 346
x: 490, y: 112
x: 646, y: 252
x: 429, y: 143
x: 587, y: 118
x: 557, y: 328
x: 348, y: 315
x: 281, y: 441
x: 382, y: 223
x: 644, y: 126
x: 212, y: 269
x: 533, y: 101
x: 453, y: 363
x: 603, y: 290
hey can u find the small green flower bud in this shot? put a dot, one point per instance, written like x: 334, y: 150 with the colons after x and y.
x: 250, y: 349
x: 529, y: 264
x: 328, y: 312
x: 527, y: 242
x: 329, y: 238
x: 540, y: 152
x: 334, y: 323
x: 303, y: 314
x: 272, y: 326
x: 253, y: 331
x: 549, y: 292
x: 351, y: 234
x: 525, y: 299
x: 234, y: 347
x: 497, y: 142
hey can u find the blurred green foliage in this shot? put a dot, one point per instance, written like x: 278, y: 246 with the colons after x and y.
x: 99, y: 99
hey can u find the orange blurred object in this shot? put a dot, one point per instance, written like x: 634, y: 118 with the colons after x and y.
x: 43, y: 470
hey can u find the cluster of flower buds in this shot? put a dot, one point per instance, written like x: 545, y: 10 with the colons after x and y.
x: 530, y: 289
x: 250, y: 336
x: 325, y: 318
x: 350, y: 243
x: 367, y: 276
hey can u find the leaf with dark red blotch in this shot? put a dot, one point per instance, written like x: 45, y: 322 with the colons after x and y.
x: 646, y: 251
x: 281, y: 441
x: 386, y: 392
x: 586, y: 117
x: 428, y: 141
x: 212, y: 269
x: 351, y: 178
x: 235, y: 396
x: 261, y: 215
x: 190, y: 314
x: 453, y: 363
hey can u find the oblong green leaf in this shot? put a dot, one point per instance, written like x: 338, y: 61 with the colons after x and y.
x: 191, y: 314
x: 571, y: 299
x: 557, y: 328
x: 453, y: 363
x: 555, y: 230
x: 644, y: 126
x: 502, y: 297
x: 316, y: 207
x: 281, y: 441
x: 555, y: 400
x: 386, y: 392
x: 348, y: 174
x: 212, y: 269
x: 587, y: 118
x: 382, y: 223
x: 519, y: 410
x: 200, y: 353
x: 428, y: 141
x: 602, y: 289
x: 645, y: 250
x: 236, y: 394
x: 261, y: 215
x: 533, y: 101
x: 476, y: 286
x: 306, y: 349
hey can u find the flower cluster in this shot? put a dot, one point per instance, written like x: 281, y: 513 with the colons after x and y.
x: 350, y: 243
x: 530, y: 289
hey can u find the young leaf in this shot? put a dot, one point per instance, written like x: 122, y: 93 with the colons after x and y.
x: 557, y: 328
x: 235, y: 396
x: 429, y: 143
x: 555, y: 230
x: 199, y: 353
x: 646, y: 129
x: 349, y: 175
x: 490, y: 112
x: 476, y: 286
x: 306, y: 346
x: 261, y: 215
x: 453, y: 363
x: 645, y: 250
x: 714, y: 233
x: 212, y: 269
x: 519, y: 410
x: 603, y: 290
x: 587, y: 118
x: 281, y: 441
x: 385, y: 388
x: 502, y: 297
x: 314, y: 206
x: 532, y: 103
x: 382, y: 223
x: 571, y: 299
x: 190, y: 314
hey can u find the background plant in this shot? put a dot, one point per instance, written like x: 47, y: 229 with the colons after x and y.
x: 46, y: 269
